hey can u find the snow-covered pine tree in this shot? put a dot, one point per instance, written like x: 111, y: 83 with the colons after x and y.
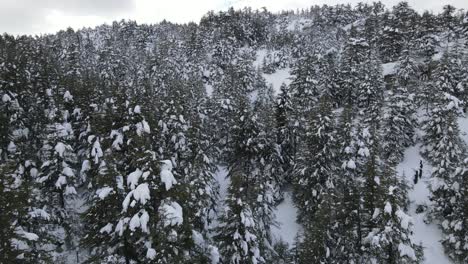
x: 348, y: 234
x: 57, y: 174
x: 328, y: 81
x: 355, y: 54
x: 399, y: 124
x: 389, y: 238
x: 247, y: 212
x: 316, y: 192
x: 407, y: 71
x: 13, y: 199
x: 103, y: 178
x: 285, y: 139
x: 236, y: 233
x: 448, y: 76
x: 448, y: 20
x: 427, y: 40
x: 184, y: 139
x: 200, y: 185
x: 444, y: 148
x: 23, y: 233
x: 399, y: 121
x: 318, y: 244
x: 455, y: 223
x: 386, y: 228
x: 133, y: 196
x: 304, y: 87
x: 270, y: 179
x: 233, y: 80
x: 315, y: 168
x: 370, y: 88
x: 398, y: 29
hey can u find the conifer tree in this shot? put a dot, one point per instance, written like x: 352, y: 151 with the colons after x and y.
x: 285, y: 130
x: 316, y: 165
x: 247, y: 214
x: 355, y: 54
x: 133, y: 196
x: 348, y: 234
x: 389, y: 239
x: 454, y: 225
x: 399, y: 121
x: 23, y: 233
x: 444, y: 148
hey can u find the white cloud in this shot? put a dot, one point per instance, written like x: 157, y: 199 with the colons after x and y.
x: 46, y: 16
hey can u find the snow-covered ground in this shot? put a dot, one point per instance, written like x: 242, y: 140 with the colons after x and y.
x: 389, y: 68
x: 428, y: 235
x: 275, y: 79
x: 286, y: 214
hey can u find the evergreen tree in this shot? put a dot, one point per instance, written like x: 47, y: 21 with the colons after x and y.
x: 399, y: 121
x: 444, y: 149
x: 355, y: 54
x: 285, y: 139
x: 389, y: 239
x: 316, y: 164
x: 247, y: 217
x: 454, y: 224
x: 23, y: 235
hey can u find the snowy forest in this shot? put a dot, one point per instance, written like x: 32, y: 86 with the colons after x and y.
x: 333, y: 134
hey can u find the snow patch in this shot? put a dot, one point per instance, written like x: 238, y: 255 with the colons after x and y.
x: 67, y: 96
x: 285, y: 215
x: 104, y: 192
x: 106, y: 229
x: 6, y: 98
x: 172, y: 212
x: 428, y: 235
x: 277, y: 78
x: 389, y: 68
x: 166, y: 174
x: 30, y: 236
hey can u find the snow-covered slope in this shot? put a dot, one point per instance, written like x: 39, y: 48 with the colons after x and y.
x: 286, y: 214
x: 428, y: 235
x: 277, y: 78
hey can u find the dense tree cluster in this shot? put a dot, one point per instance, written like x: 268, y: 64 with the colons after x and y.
x: 110, y: 137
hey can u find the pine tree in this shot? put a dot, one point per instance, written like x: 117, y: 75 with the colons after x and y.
x: 398, y: 29
x: 370, y: 89
x: 247, y: 216
x: 141, y: 191
x: 236, y: 233
x: 348, y: 234
x: 355, y: 55
x: 23, y: 235
x: 454, y: 225
x: 58, y: 175
x: 389, y: 240
x: 399, y: 121
x: 285, y: 138
x: 427, y: 41
x: 444, y: 148
x: 318, y: 244
x: 316, y: 164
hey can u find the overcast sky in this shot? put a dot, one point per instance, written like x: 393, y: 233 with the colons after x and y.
x: 48, y: 16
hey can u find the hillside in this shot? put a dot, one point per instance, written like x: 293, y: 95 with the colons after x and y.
x: 335, y: 134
